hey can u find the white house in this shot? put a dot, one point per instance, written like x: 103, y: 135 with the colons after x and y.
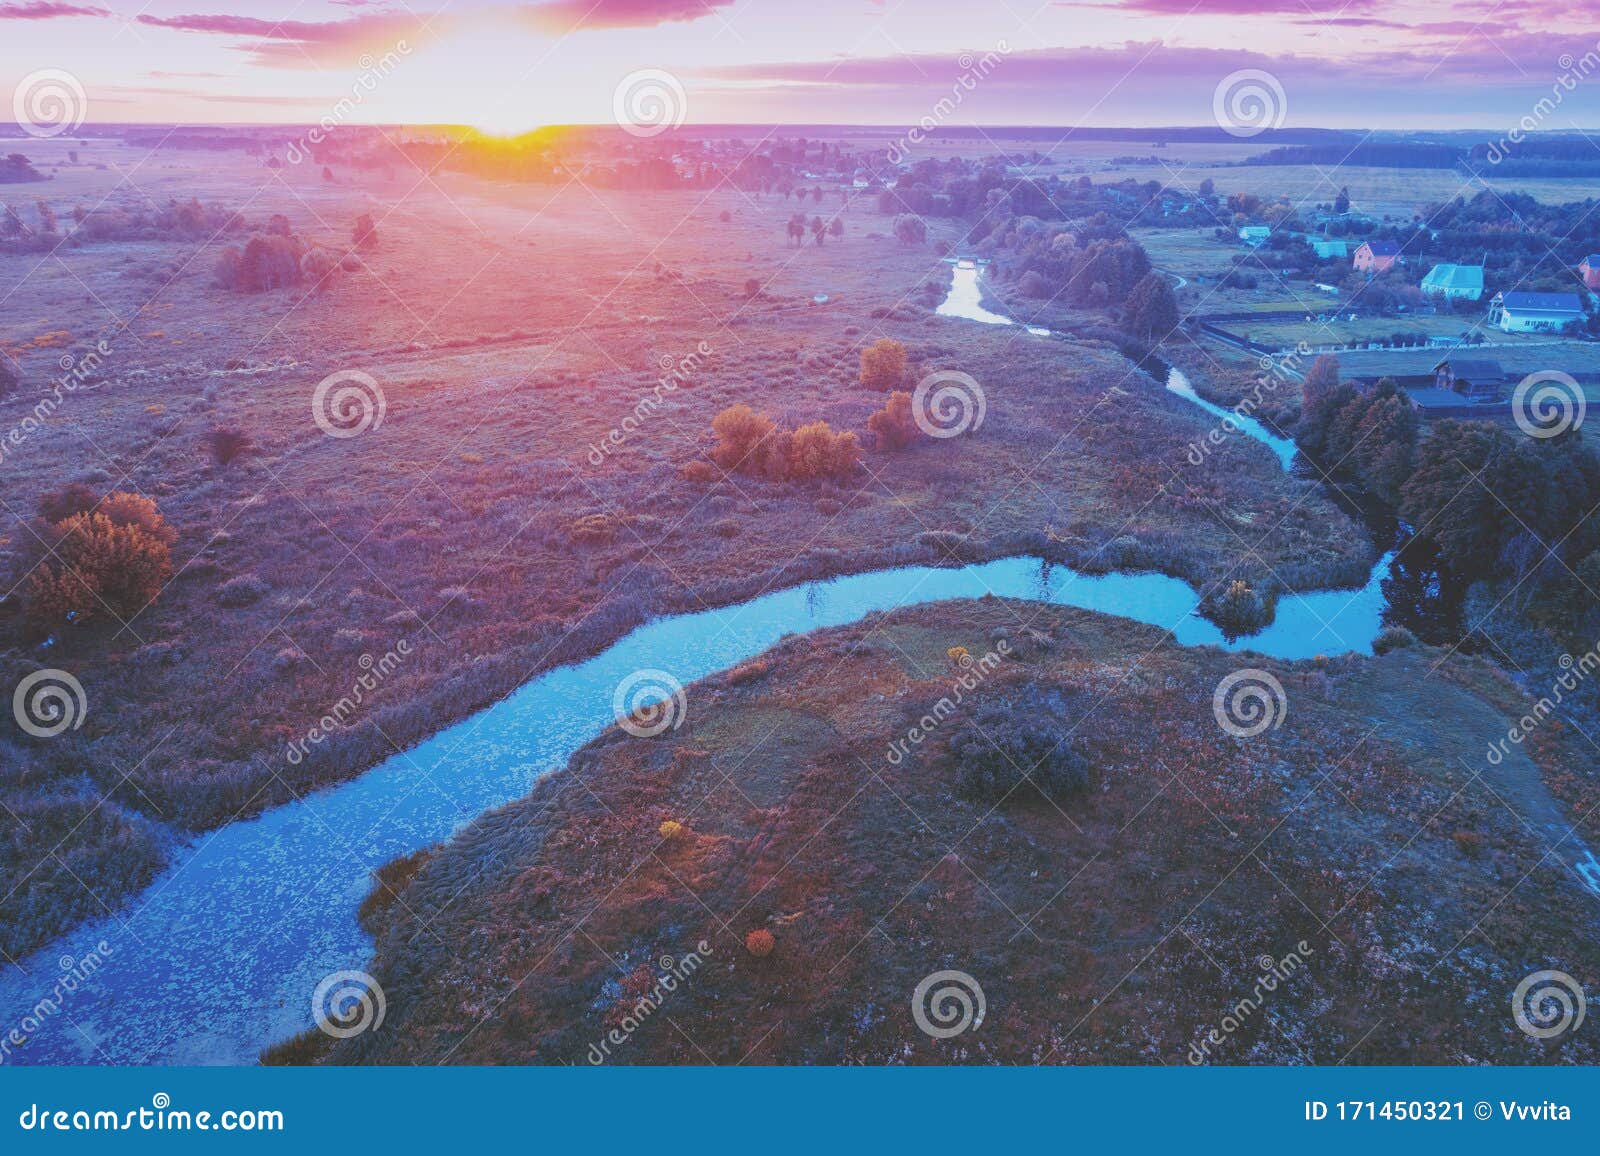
x: 1454, y: 282
x: 1254, y: 235
x: 1534, y: 312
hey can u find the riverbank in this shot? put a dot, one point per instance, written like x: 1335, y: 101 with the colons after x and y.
x: 1359, y: 834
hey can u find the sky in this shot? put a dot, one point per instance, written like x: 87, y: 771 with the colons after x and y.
x: 513, y: 65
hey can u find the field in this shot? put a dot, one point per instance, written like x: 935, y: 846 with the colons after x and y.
x: 1382, y: 193
x: 1363, y: 852
x: 510, y: 329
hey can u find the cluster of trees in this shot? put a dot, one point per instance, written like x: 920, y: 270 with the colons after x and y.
x: 1498, y: 505
x: 1058, y: 265
x: 16, y: 169
x: 108, y: 556
x: 752, y: 443
x: 278, y: 259
x: 797, y: 228
x: 1370, y: 436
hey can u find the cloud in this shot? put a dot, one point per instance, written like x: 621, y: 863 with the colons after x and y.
x: 47, y: 10
x: 571, y: 15
x: 302, y: 43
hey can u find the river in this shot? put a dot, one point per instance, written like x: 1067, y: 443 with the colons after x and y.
x: 220, y: 955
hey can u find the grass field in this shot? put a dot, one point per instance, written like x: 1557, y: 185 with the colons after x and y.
x: 1383, y: 193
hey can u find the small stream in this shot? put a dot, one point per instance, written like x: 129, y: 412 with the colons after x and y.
x: 219, y: 956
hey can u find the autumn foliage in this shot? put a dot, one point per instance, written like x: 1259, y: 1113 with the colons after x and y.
x: 112, y: 559
x: 760, y: 943
x: 883, y: 364
x: 752, y: 443
x: 893, y: 426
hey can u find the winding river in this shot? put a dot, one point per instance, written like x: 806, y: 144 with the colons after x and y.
x: 220, y: 955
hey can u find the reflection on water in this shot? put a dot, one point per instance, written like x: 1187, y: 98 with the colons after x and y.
x: 965, y: 298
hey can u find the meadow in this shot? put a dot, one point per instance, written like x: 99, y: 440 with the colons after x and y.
x: 510, y: 329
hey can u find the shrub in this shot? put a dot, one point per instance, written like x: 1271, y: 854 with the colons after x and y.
x: 228, y: 444
x: 883, y: 364
x: 73, y: 498
x: 10, y: 376
x: 1239, y: 610
x: 1393, y: 638
x: 269, y: 262
x: 760, y: 943
x: 818, y: 451
x: 740, y: 432
x: 893, y: 427
x: 698, y: 471
x: 365, y: 233
x: 670, y: 829
x: 1019, y: 739
x: 910, y: 229
x: 114, y: 561
x: 1033, y: 284
x: 242, y: 591
x: 319, y: 266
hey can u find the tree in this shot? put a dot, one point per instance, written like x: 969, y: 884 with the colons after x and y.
x: 893, y: 427
x: 1152, y: 308
x: 1341, y: 203
x: 10, y: 376
x: 797, y: 228
x: 47, y: 217
x: 365, y: 233
x: 818, y: 229
x: 1445, y: 499
x: 883, y: 364
x: 836, y: 227
x: 910, y: 229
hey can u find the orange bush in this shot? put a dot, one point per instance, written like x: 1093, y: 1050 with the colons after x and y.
x: 102, y: 566
x: 883, y: 364
x: 740, y: 433
x: 753, y: 444
x: 670, y: 829
x: 818, y: 451
x: 760, y: 943
x: 893, y: 427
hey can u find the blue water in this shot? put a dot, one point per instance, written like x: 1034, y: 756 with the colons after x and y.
x: 220, y: 956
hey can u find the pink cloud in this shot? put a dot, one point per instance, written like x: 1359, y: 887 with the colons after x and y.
x: 47, y: 10
x: 569, y: 15
x: 302, y: 43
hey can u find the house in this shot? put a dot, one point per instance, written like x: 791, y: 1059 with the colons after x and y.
x: 1433, y: 404
x: 1376, y: 256
x: 1454, y: 282
x: 1534, y: 312
x: 1254, y: 235
x: 1590, y: 270
x: 1325, y: 248
x: 1476, y: 378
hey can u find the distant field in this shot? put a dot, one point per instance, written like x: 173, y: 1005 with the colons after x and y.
x: 1381, y: 192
